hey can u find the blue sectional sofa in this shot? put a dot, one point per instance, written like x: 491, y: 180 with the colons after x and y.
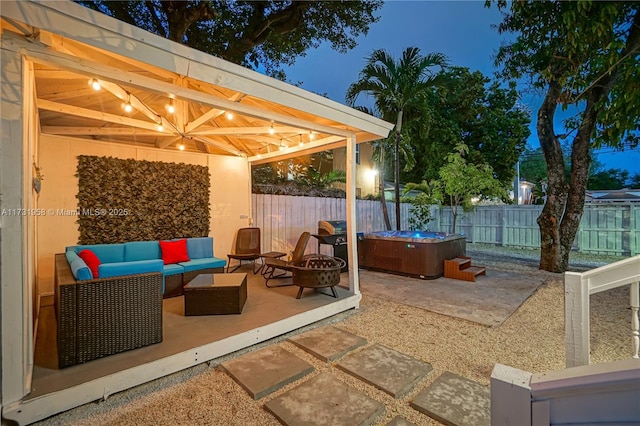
x: 140, y: 257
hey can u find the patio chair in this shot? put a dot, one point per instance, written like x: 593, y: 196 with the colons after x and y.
x: 247, y: 248
x: 277, y: 268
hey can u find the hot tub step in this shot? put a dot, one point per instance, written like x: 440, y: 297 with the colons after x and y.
x: 460, y: 268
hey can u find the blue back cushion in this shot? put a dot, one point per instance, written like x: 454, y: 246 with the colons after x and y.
x: 130, y: 268
x: 141, y: 250
x: 199, y: 248
x: 79, y: 268
x: 107, y: 253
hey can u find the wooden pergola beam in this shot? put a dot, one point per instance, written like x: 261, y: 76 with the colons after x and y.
x: 103, y: 116
x: 90, y: 69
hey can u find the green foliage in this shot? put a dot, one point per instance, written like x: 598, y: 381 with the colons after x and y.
x: 421, y: 205
x: 266, y: 34
x: 634, y: 182
x: 399, y: 88
x: 484, y: 115
x: 315, y: 179
x: 576, y: 45
x: 461, y: 182
x: 131, y: 200
x: 608, y: 179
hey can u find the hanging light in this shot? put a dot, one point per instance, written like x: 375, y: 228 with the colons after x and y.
x: 229, y: 115
x: 170, y: 108
x: 160, y: 126
x: 300, y: 143
x: 281, y: 145
x: 127, y: 106
x: 271, y: 129
x: 312, y: 135
x: 95, y: 84
x: 181, y: 146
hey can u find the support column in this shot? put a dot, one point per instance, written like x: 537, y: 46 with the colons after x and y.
x: 352, y: 247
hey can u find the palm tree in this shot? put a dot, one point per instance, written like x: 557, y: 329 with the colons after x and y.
x: 399, y: 87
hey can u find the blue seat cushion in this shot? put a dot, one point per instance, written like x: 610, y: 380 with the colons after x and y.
x: 200, y: 247
x: 79, y: 268
x: 107, y: 253
x: 210, y: 262
x: 172, y: 269
x: 107, y: 270
x: 141, y: 250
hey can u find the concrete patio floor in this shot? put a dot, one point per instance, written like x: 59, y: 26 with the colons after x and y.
x: 488, y: 301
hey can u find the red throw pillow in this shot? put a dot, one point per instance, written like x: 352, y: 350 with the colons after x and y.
x: 92, y: 261
x: 174, y: 251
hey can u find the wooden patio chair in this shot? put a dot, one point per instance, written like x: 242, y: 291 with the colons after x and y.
x: 247, y: 248
x: 277, y: 268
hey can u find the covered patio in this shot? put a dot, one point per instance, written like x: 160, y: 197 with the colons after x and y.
x: 76, y: 82
x: 187, y: 340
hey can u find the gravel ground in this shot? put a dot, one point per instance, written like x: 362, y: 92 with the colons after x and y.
x: 532, y: 339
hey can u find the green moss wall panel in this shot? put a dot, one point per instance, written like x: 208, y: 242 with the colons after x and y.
x: 132, y: 200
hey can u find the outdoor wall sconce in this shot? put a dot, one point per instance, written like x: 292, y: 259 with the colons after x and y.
x: 38, y: 177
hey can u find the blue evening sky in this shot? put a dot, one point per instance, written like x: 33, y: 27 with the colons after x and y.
x: 461, y: 30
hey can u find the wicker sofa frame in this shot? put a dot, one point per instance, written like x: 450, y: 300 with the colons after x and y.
x: 101, y: 317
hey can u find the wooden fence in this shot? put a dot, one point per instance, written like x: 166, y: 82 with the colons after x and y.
x: 611, y: 229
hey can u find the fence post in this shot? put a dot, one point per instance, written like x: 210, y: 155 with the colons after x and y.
x: 635, y: 320
x: 576, y: 322
x: 504, y: 225
x: 633, y: 232
x: 510, y: 396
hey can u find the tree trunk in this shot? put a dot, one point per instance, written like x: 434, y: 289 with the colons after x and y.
x: 454, y: 214
x: 396, y: 161
x: 396, y: 179
x: 383, y: 200
x: 562, y: 212
x: 552, y: 252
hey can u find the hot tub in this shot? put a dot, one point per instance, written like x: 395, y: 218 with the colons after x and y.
x: 413, y: 253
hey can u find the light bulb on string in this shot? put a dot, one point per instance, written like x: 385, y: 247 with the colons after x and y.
x: 127, y: 106
x: 170, y: 108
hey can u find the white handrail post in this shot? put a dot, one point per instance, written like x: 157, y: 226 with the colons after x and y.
x: 635, y: 321
x: 576, y: 314
x: 510, y: 396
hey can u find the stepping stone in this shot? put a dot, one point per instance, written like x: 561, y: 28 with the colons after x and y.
x: 328, y: 343
x: 266, y: 370
x: 388, y: 370
x: 400, y: 421
x: 456, y: 401
x: 324, y: 401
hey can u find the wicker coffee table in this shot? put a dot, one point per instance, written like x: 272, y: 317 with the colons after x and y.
x: 215, y: 294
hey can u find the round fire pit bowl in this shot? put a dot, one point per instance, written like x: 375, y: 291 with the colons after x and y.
x: 317, y: 271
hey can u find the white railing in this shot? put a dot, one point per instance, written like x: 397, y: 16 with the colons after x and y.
x: 606, y: 393
x: 579, y: 286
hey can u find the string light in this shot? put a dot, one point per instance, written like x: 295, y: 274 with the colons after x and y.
x: 95, y: 84
x: 127, y: 106
x: 170, y: 108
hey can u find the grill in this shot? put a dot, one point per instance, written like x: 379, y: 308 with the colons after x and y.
x: 334, y: 233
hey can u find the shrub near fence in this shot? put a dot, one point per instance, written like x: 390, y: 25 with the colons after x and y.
x: 610, y: 229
